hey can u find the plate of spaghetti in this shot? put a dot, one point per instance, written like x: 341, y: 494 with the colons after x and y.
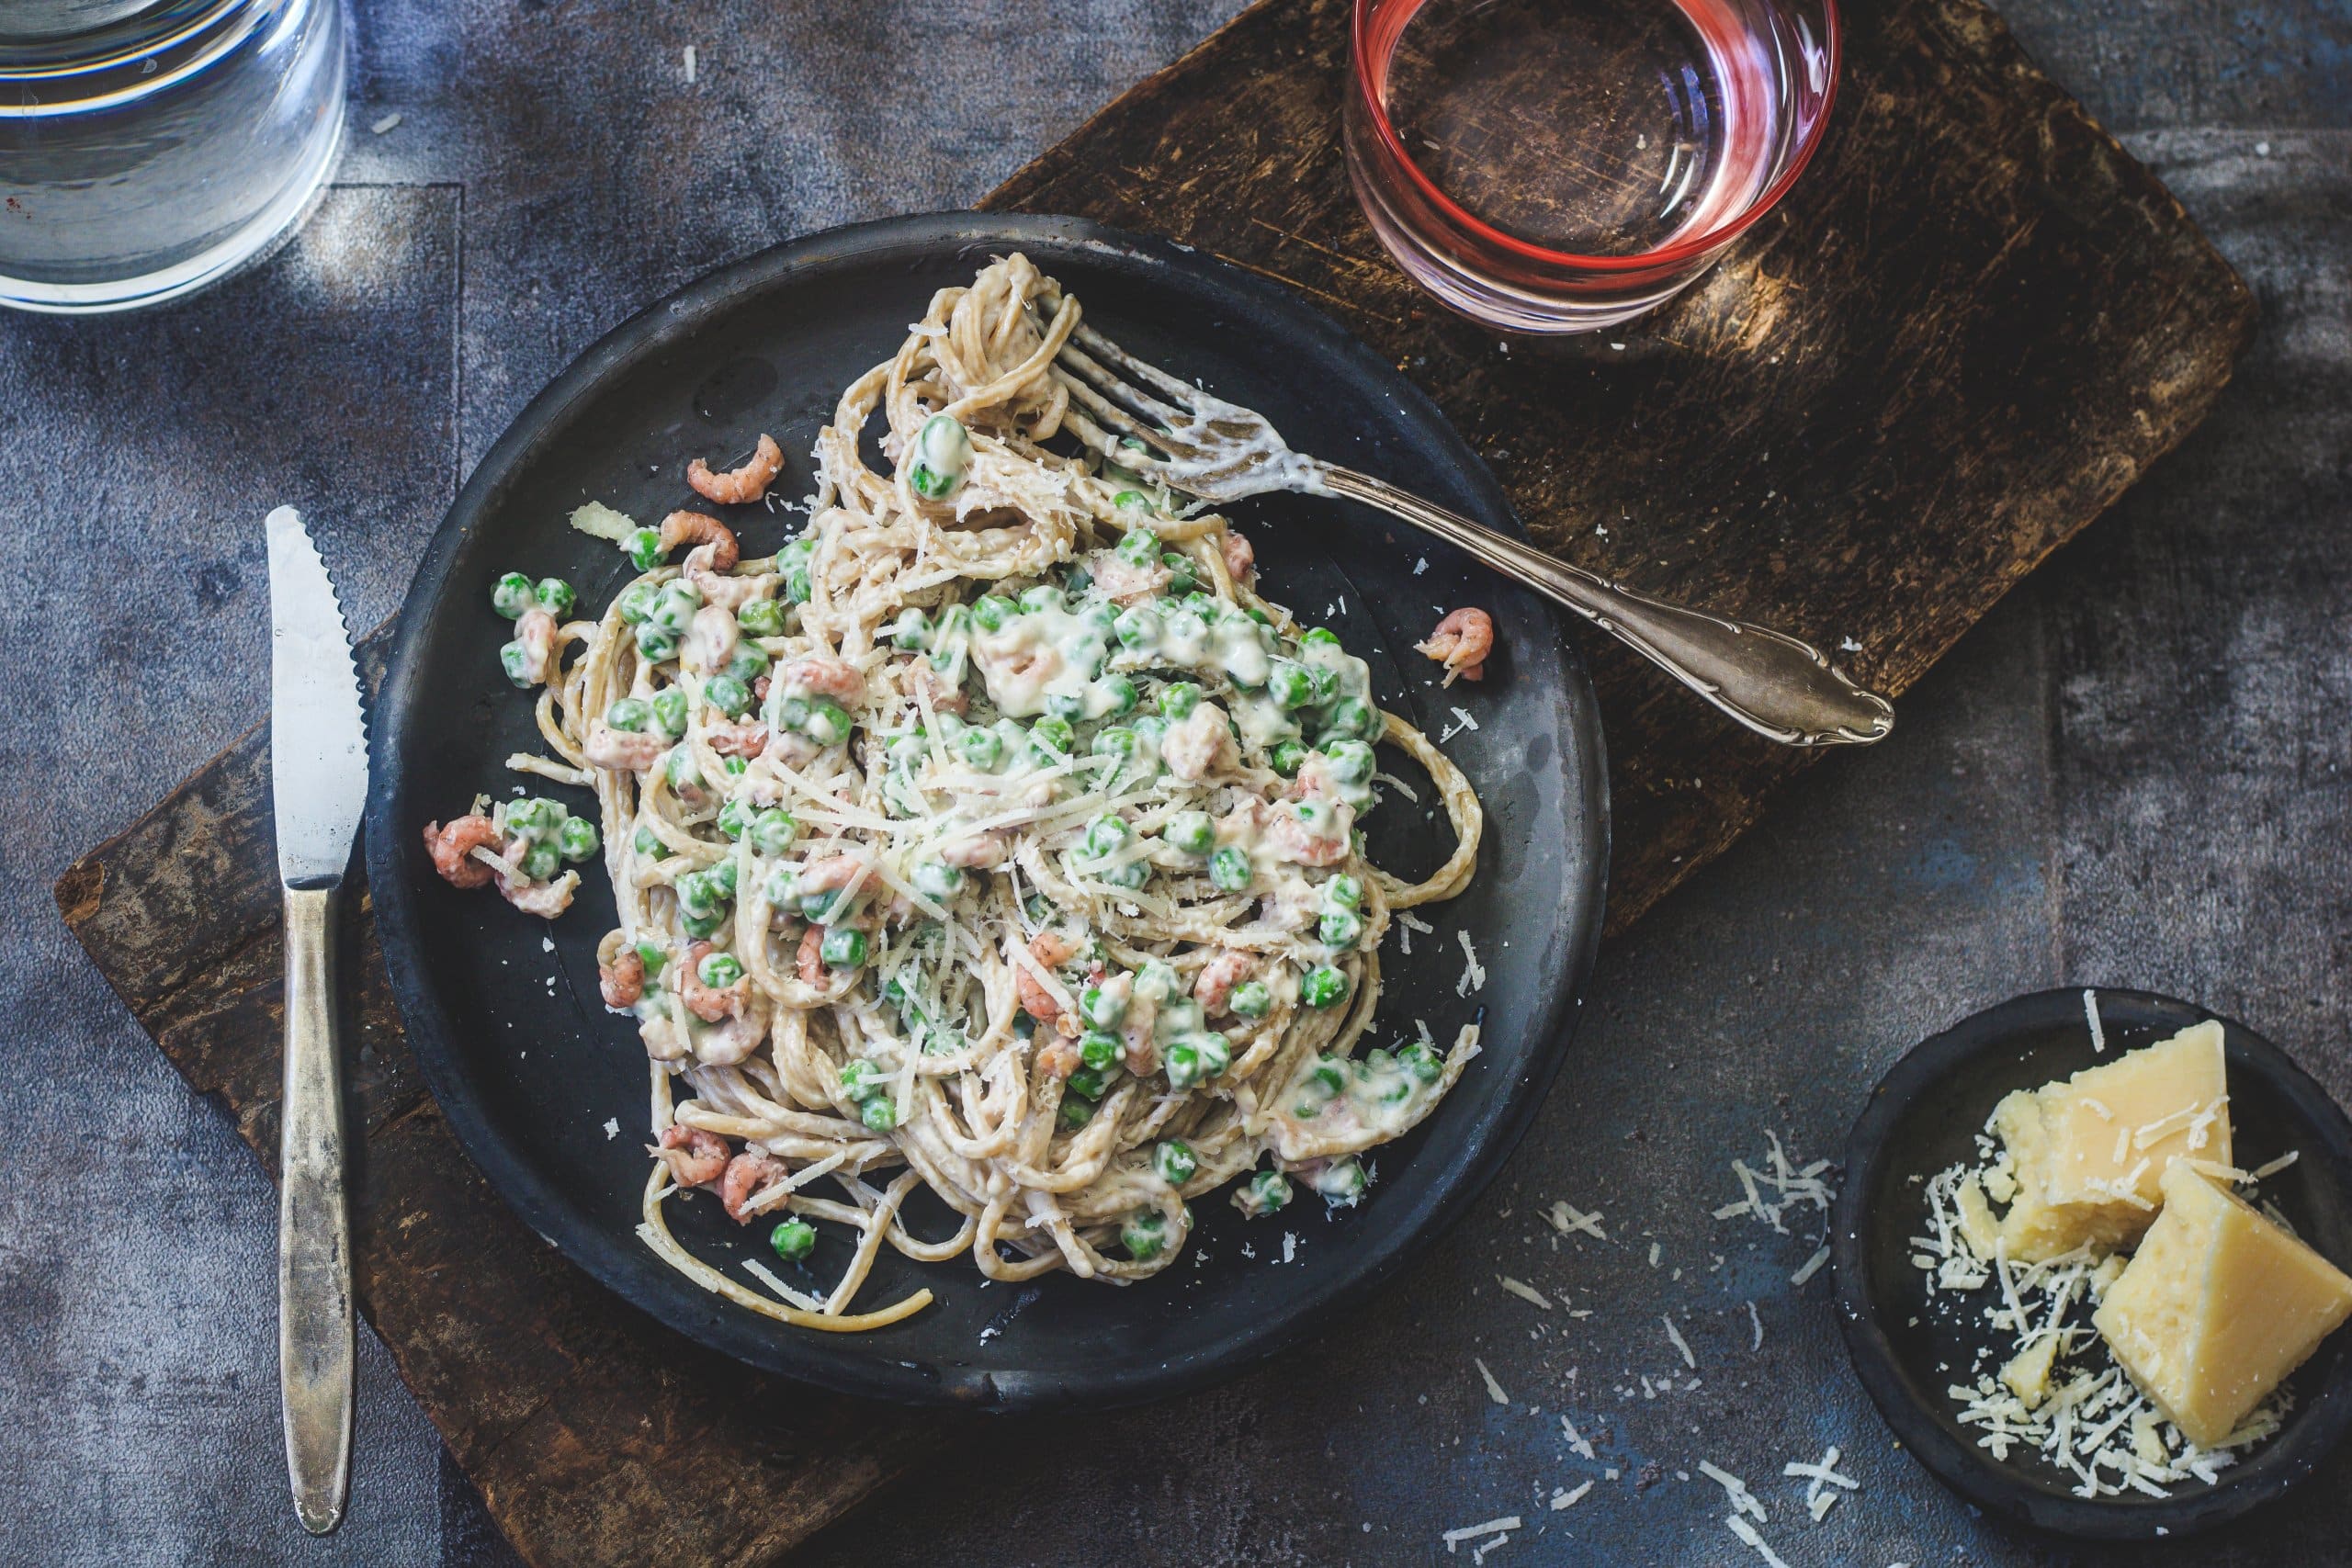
x: 920, y: 908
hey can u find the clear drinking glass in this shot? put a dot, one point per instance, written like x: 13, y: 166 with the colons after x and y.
x: 151, y: 147
x: 1562, y: 165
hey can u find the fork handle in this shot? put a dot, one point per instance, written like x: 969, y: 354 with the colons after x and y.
x: 314, y: 1332
x: 1780, y: 688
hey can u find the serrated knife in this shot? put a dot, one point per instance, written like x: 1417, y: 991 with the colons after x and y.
x: 317, y: 745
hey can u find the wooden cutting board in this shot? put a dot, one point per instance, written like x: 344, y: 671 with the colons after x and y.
x: 1974, y: 323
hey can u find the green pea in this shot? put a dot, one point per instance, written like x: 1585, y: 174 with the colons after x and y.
x: 720, y: 970
x: 817, y: 905
x: 761, y: 617
x: 1182, y: 1065
x: 1145, y: 1234
x: 1044, y: 596
x: 778, y: 888
x: 513, y: 595
x: 728, y: 694
x: 1352, y: 761
x: 1322, y: 986
x: 859, y: 1079
x: 983, y: 748
x: 1138, y: 545
x: 531, y: 817
x: 1251, y: 999
x: 648, y: 843
x: 1131, y: 877
x: 937, y: 879
x: 911, y: 629
x: 1191, y: 831
x: 1290, y: 685
x: 1342, y: 1182
x: 516, y: 664
x: 652, y: 956
x: 1077, y: 580
x: 1328, y: 1076
x: 670, y: 711
x: 643, y: 547
x: 1100, y: 1049
x: 555, y: 596
x: 827, y: 723
x: 943, y: 454
x: 1319, y: 637
x: 1174, y: 1162
x: 631, y: 714
x: 1356, y: 718
x: 1104, y: 835
x: 1344, y: 892
x: 796, y: 552
x: 674, y: 607
x: 1179, y: 571
x: 991, y: 614
x: 655, y: 643
x: 1053, y: 735
x: 751, y: 662
x: 1421, y: 1062
x: 542, y: 862
x: 1068, y: 707
x: 1075, y: 1112
x: 721, y: 878
x: 1268, y: 1190
x: 1215, y: 1054
x: 678, y: 767
x: 1088, y: 1081
x: 636, y: 603
x: 1340, y: 927
x: 734, y: 818
x: 843, y: 947
x: 701, y: 926
x: 796, y: 587
x: 1137, y: 629
x: 1131, y: 498
x: 696, y: 896
x: 1326, y: 683
x: 1179, y: 698
x: 576, y: 839
x: 793, y: 1240
x: 879, y: 1114
x: 1287, y: 758
x: 1229, y: 868
x: 771, y: 830
x: 1118, y: 695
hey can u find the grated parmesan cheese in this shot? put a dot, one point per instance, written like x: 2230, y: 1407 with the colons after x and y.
x: 1577, y: 1439
x: 1681, y: 1344
x: 1743, y: 1501
x: 2264, y: 1171
x: 1569, y: 1499
x: 1473, y: 976
x: 1524, y: 1291
x: 1493, y: 1389
x: 1811, y: 1267
x: 2090, y: 1015
x: 1454, y: 1538
x: 1566, y: 1217
x: 1746, y: 1532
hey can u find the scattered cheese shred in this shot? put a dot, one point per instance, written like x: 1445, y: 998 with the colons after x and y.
x: 1569, y: 1499
x: 1524, y: 1290
x: 1473, y: 976
x: 1681, y: 1344
x: 1756, y: 1323
x: 2264, y: 1171
x: 1743, y: 1501
x: 1493, y: 1389
x: 1746, y: 1532
x: 1811, y: 1267
x: 1454, y: 1538
x: 1567, y: 1217
x: 2091, y: 1014
x: 1577, y: 1439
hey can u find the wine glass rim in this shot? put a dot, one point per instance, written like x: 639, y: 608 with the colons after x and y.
x: 1360, y: 70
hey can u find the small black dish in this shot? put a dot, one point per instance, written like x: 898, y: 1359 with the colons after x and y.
x: 1925, y: 1115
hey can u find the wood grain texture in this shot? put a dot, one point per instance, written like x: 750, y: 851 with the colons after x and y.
x: 1972, y: 326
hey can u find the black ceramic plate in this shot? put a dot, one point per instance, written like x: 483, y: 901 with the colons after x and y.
x: 529, y: 1067
x: 1925, y: 1116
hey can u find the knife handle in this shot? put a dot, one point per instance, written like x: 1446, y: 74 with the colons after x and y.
x: 315, y: 1342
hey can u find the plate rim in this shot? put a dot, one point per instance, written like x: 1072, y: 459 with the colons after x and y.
x: 810, y: 1359
x: 1991, y: 1485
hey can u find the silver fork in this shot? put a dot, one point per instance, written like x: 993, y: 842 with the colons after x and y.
x: 1776, y: 685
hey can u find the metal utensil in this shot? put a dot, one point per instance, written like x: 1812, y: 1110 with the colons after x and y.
x: 1780, y: 688
x: 318, y: 784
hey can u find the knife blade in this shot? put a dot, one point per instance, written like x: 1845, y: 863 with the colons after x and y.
x: 319, y: 784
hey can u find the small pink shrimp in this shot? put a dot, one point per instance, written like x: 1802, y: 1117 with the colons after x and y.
x: 712, y: 639
x: 1058, y: 1059
x: 1124, y: 580
x: 710, y: 1003
x: 738, y: 486
x: 696, y: 1157
x: 703, y: 530
x: 810, y: 962
x: 1294, y: 839
x: 746, y: 1174
x: 1461, y: 643
x: 545, y: 899
x: 945, y: 695
x: 1240, y: 557
x: 622, y: 978
x: 1050, y: 949
x: 622, y: 751
x: 1200, y: 742
x: 821, y: 674
x: 1212, y: 986
x: 828, y: 875
x: 536, y: 635
x: 981, y: 851
x: 452, y: 848
x: 725, y: 1044
x: 744, y: 741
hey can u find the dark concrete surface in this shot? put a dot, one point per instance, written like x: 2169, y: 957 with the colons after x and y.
x: 2135, y: 773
